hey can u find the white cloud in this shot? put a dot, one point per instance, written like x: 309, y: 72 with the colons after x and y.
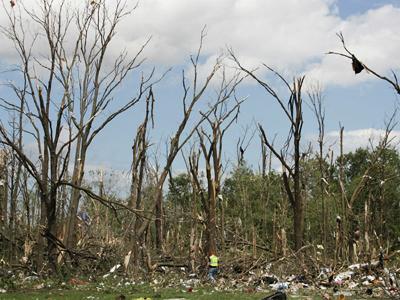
x: 290, y: 35
x: 373, y: 37
x: 354, y: 139
x: 280, y: 33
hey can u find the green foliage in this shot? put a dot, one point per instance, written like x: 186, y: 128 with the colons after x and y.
x: 381, y: 191
x: 261, y: 201
x: 180, y: 191
x: 204, y: 294
x: 6, y: 282
x: 112, y: 288
x: 252, y: 198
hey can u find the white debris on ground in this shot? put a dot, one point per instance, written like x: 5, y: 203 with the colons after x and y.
x: 112, y: 270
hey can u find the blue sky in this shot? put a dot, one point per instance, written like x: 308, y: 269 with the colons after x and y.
x: 291, y: 36
x: 358, y: 103
x: 353, y: 7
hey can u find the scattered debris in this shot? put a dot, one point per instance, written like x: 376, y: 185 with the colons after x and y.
x: 31, y: 278
x: 277, y: 279
x: 280, y: 286
x: 84, y: 217
x: 112, y: 270
x: 77, y: 281
x: 39, y: 286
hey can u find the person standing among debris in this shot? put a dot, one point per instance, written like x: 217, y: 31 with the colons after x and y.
x: 212, y: 266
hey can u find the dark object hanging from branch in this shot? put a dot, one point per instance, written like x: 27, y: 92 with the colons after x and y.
x: 356, y: 64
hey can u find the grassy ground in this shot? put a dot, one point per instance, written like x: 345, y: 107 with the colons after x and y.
x: 143, y: 293
x: 110, y: 289
x: 167, y: 294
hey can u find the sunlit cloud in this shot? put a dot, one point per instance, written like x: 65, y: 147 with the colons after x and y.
x: 291, y: 36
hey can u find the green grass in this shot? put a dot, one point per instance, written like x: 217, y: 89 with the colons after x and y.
x: 201, y: 294
x: 109, y: 289
x: 165, y: 294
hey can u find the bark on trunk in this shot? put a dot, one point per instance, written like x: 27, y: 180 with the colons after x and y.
x: 211, y: 222
x: 3, y: 188
x: 298, y: 224
x: 77, y: 178
x: 51, y: 231
x: 159, y: 224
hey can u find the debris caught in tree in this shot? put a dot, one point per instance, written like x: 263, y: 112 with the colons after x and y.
x: 84, y: 217
x: 356, y: 64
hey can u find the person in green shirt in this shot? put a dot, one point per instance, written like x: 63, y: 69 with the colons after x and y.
x: 212, y: 266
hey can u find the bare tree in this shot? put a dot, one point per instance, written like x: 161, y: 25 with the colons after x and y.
x: 243, y: 144
x: 139, y: 162
x: 3, y: 188
x: 291, y: 174
x: 316, y: 99
x: 219, y: 119
x: 96, y: 86
x: 62, y: 91
x: 179, y: 138
x: 14, y: 182
x: 192, y: 166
